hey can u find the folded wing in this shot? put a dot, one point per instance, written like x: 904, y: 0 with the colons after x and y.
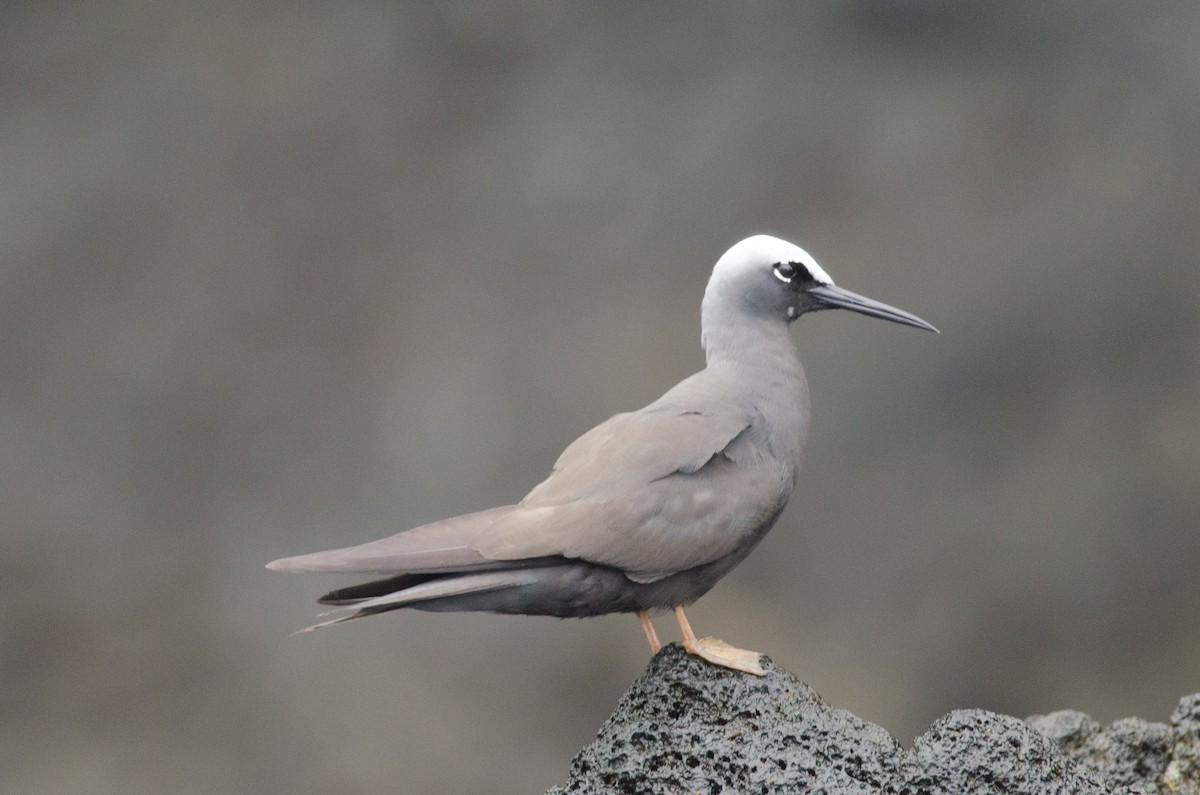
x: 651, y: 493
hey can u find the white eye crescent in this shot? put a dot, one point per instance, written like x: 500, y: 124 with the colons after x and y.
x: 785, y: 272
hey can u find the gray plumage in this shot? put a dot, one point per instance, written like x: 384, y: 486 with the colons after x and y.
x: 650, y: 508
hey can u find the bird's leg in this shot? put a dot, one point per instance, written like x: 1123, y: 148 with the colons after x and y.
x: 717, y: 652
x: 648, y: 628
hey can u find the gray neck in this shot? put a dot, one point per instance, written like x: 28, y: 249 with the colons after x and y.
x: 756, y: 354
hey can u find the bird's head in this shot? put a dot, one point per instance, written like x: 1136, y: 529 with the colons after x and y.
x: 763, y: 276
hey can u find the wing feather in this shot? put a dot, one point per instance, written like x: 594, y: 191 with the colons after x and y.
x: 678, y: 484
x: 651, y: 493
x: 443, y: 546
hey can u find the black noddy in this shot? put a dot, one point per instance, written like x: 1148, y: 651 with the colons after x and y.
x: 650, y: 508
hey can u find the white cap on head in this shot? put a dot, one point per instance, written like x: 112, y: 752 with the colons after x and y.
x: 760, y: 250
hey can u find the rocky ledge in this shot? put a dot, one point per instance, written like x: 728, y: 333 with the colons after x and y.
x: 689, y: 727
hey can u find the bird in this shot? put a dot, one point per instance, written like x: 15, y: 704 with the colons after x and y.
x: 649, y: 509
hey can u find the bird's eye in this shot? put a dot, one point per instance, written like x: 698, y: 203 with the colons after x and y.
x: 785, y: 272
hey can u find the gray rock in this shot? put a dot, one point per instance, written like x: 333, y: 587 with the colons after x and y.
x: 689, y: 727
x: 1133, y: 755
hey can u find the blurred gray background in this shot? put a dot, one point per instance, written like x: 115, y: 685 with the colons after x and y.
x: 276, y: 279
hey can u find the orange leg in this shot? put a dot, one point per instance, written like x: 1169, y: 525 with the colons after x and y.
x: 689, y: 638
x: 648, y: 628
